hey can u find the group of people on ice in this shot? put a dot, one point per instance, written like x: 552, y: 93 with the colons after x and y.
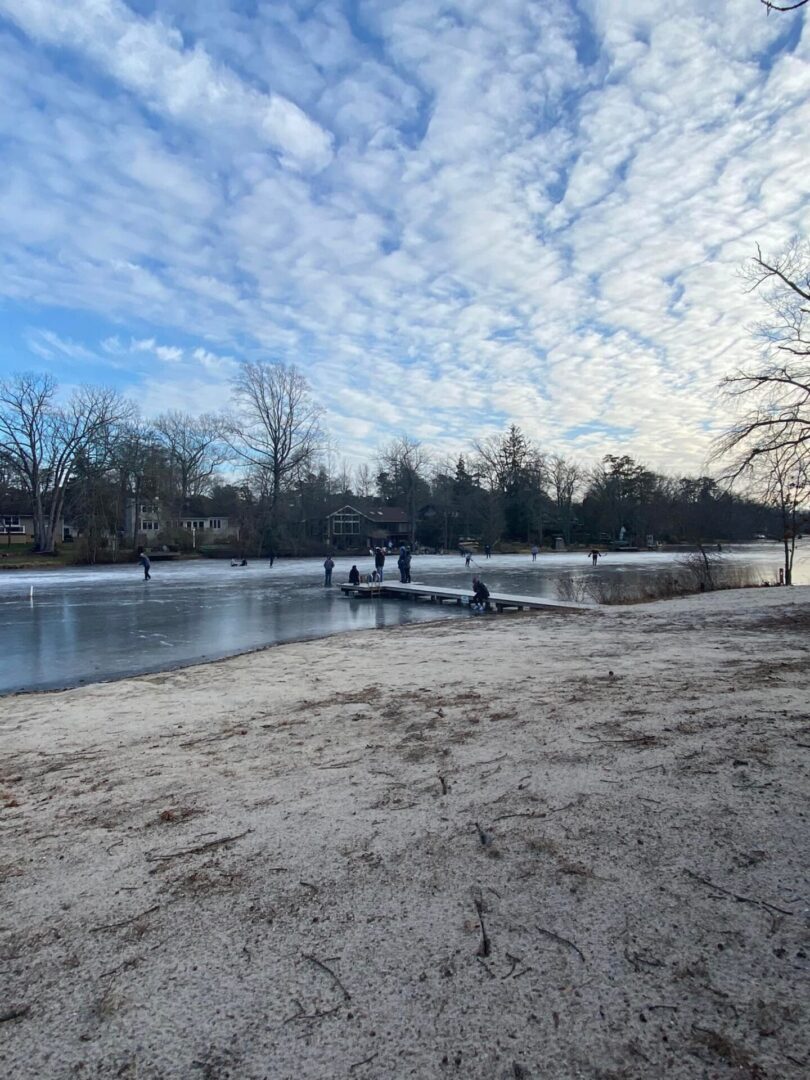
x: 378, y: 575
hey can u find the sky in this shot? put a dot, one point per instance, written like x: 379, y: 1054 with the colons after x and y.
x: 450, y: 216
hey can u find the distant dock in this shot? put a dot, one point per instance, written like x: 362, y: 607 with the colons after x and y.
x: 440, y: 594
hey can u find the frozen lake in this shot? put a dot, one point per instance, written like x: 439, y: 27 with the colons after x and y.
x: 93, y: 623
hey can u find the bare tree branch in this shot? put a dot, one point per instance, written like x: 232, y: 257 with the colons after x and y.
x: 782, y: 7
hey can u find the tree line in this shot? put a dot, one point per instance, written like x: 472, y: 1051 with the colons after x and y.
x: 268, y: 466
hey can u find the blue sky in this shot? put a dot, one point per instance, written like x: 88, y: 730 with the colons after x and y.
x: 450, y: 216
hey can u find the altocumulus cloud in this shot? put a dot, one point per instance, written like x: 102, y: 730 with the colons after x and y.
x: 451, y: 216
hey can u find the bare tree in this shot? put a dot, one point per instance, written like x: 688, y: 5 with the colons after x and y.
x: 41, y: 440
x: 363, y: 481
x: 782, y: 480
x: 196, y: 448
x: 402, y: 475
x: 564, y: 478
x: 779, y: 390
x: 277, y: 428
x: 137, y: 457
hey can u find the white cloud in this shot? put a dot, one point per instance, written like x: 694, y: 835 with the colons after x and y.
x: 499, y: 231
x: 152, y: 60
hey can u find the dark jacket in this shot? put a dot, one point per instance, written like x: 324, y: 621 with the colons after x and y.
x: 354, y: 576
x: 481, y: 592
x: 379, y: 558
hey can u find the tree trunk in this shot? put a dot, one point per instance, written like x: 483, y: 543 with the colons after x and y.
x: 788, y: 560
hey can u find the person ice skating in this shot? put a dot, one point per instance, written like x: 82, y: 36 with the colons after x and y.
x: 487, y: 550
x: 328, y: 567
x: 143, y: 559
x: 467, y: 559
x: 535, y: 550
x: 379, y: 562
x: 480, y: 597
x: 595, y: 555
x: 407, y: 566
x: 354, y: 576
x: 272, y: 557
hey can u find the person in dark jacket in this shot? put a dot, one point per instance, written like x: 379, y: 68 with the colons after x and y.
x: 328, y: 567
x: 480, y: 597
x: 407, y: 566
x: 143, y: 559
x: 354, y: 576
x: 403, y: 576
x: 379, y: 562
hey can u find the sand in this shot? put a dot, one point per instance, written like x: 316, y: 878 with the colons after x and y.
x: 540, y: 845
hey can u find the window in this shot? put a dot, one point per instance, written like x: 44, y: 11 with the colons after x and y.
x: 11, y: 523
x: 345, y: 524
x: 214, y: 523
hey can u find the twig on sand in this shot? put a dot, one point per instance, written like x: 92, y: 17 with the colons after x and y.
x: 737, y: 896
x: 542, y: 813
x: 489, y: 761
x: 484, y: 837
x: 562, y: 941
x: 200, y: 847
x: 365, y: 1061
x: 319, y: 1014
x: 14, y: 1013
x: 485, y: 948
x: 309, y: 885
x: 328, y: 970
x: 486, y: 968
x: 443, y: 782
x: 130, y: 962
x: 124, y: 922
x: 340, y: 764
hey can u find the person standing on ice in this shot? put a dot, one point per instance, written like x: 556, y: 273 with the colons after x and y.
x: 595, y: 555
x: 328, y: 567
x: 535, y: 550
x: 143, y: 559
x: 379, y: 562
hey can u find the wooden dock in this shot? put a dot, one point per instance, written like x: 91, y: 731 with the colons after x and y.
x: 440, y: 594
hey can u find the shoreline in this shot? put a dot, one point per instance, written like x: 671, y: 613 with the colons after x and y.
x: 552, y: 845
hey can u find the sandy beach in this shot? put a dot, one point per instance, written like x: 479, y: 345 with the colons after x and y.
x: 539, y: 845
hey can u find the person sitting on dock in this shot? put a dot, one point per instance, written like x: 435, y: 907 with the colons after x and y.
x: 354, y: 576
x: 480, y: 598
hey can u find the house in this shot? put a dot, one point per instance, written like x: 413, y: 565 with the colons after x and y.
x: 351, y: 527
x: 146, y: 520
x: 17, y: 524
